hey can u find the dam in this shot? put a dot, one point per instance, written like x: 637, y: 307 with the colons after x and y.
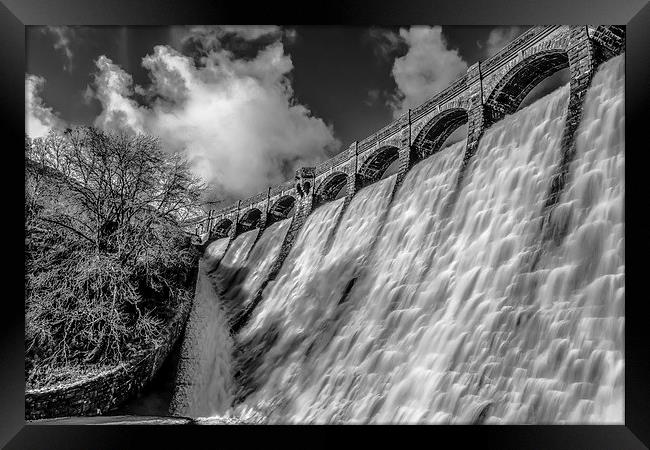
x: 484, y: 282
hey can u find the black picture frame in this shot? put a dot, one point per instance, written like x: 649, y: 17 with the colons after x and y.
x: 635, y: 14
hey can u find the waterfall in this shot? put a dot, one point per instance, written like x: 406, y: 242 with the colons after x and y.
x: 214, y: 252
x: 307, y: 293
x: 204, y: 381
x: 581, y: 296
x: 257, y: 267
x: 408, y: 308
x: 233, y: 259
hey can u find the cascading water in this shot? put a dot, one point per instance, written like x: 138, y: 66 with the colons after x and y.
x: 300, y: 264
x: 581, y: 296
x: 424, y: 313
x: 320, y: 277
x: 205, y: 386
x: 204, y: 383
x: 233, y: 259
x: 258, y: 265
x: 214, y: 252
x: 312, y: 284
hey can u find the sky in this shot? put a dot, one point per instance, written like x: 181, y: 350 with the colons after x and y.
x: 247, y: 104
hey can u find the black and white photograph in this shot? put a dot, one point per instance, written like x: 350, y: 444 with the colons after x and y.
x: 416, y: 224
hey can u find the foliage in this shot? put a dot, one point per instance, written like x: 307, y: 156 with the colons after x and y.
x: 107, y: 260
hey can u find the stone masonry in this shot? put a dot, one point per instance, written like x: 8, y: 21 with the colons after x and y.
x: 106, y: 391
x: 487, y: 92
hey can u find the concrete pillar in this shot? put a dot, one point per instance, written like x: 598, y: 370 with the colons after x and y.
x: 235, y: 228
x: 266, y: 219
x: 354, y: 179
x: 263, y: 220
x: 582, y: 65
x: 404, y: 163
x: 477, y: 120
x: 305, y: 186
x: 406, y: 159
x: 206, y: 226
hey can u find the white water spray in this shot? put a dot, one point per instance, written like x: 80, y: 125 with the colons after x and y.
x: 421, y: 314
x: 257, y: 267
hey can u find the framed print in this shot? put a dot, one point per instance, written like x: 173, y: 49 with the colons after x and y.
x: 364, y: 214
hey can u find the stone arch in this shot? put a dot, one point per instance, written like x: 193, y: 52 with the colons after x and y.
x: 609, y: 41
x: 512, y: 88
x: 222, y: 228
x: 329, y: 188
x: 436, y: 132
x: 281, y: 208
x: 250, y: 219
x: 376, y: 164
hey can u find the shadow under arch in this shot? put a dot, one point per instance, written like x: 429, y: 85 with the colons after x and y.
x: 249, y: 220
x: 515, y: 85
x: 281, y: 209
x: 434, y: 134
x: 375, y: 165
x: 222, y: 228
x: 330, y: 187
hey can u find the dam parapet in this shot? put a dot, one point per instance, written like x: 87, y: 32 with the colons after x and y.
x: 487, y: 92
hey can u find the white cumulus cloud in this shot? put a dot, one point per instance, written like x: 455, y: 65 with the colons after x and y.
x: 39, y: 118
x: 428, y: 67
x: 499, y: 37
x: 63, y: 39
x: 237, y: 118
x: 114, y: 90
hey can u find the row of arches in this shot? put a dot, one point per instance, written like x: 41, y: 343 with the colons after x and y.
x: 281, y: 209
x: 380, y: 164
x: 518, y: 86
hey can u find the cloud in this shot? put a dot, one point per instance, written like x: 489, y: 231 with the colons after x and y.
x: 87, y: 95
x: 498, y: 38
x: 384, y: 43
x: 291, y: 35
x: 373, y: 97
x: 63, y: 38
x: 114, y: 90
x: 251, y: 32
x: 236, y: 38
x: 39, y: 118
x: 237, y: 119
x: 428, y: 67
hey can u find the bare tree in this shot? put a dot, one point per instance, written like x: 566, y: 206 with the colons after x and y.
x: 106, y: 254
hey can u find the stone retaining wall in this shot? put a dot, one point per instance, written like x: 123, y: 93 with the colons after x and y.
x: 105, y: 391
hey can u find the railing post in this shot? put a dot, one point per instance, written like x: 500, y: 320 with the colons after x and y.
x: 410, y: 137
